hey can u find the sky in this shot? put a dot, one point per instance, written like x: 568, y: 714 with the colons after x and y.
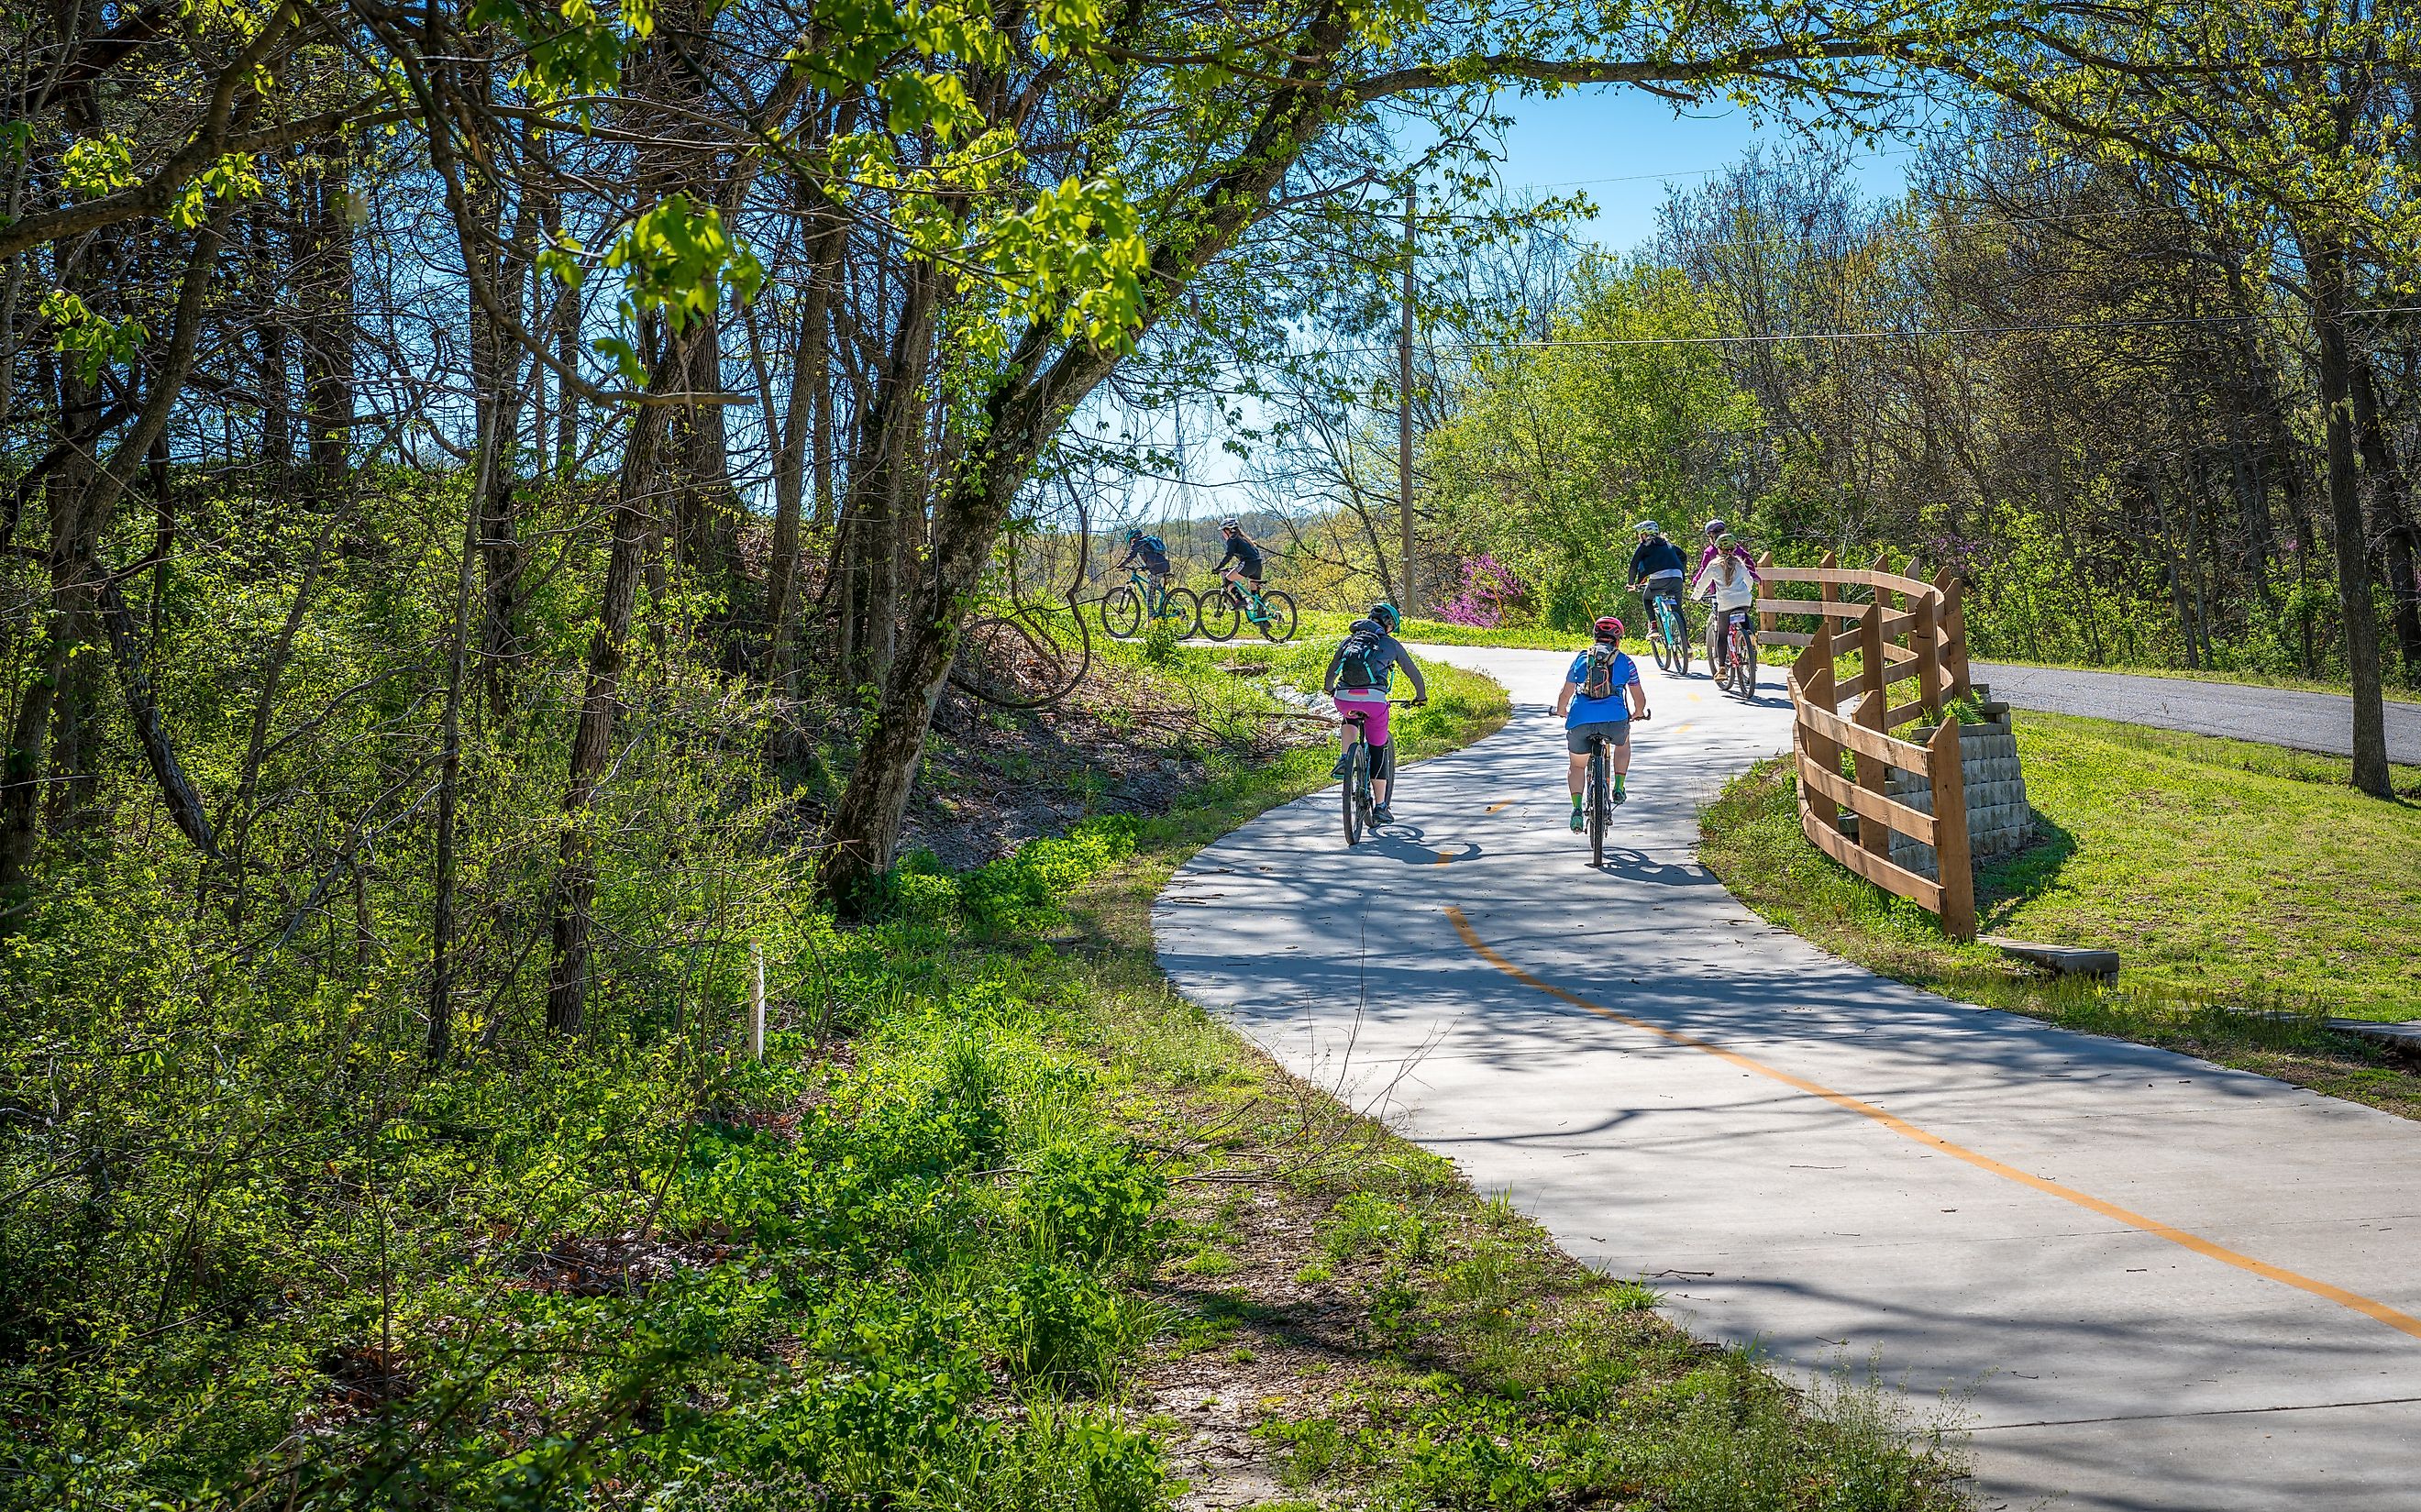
x: 1622, y: 148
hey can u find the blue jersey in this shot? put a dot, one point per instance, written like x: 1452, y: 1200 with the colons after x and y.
x: 1587, y: 711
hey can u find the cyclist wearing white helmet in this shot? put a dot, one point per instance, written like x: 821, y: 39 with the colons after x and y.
x: 1246, y: 553
x: 1658, y: 569
x: 1731, y: 579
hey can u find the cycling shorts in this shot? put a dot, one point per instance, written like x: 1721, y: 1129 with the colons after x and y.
x: 1615, y: 732
x: 1374, y: 728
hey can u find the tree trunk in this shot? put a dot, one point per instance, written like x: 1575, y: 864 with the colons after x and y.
x: 633, y: 525
x: 328, y: 340
x: 2324, y: 258
x: 2390, y: 506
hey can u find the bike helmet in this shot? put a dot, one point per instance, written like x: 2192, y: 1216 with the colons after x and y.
x: 1724, y: 542
x: 1389, y: 620
x: 1134, y: 533
x: 1230, y: 525
x: 1648, y: 528
x: 1716, y: 527
x: 1608, y: 627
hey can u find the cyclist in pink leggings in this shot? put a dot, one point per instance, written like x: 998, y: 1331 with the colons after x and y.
x: 1358, y: 677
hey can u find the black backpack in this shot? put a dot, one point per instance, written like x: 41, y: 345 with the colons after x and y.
x: 1362, y: 661
x: 1153, y: 545
x: 1600, y: 681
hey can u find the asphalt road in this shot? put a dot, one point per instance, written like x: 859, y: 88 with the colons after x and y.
x: 2143, y: 1280
x: 2321, y: 722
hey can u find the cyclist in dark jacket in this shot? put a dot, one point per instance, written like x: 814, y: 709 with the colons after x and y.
x: 1246, y: 553
x: 1146, y: 550
x: 1658, y: 569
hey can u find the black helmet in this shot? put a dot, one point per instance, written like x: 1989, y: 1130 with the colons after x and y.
x: 1389, y: 620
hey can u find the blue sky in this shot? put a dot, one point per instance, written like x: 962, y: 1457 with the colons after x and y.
x: 1623, y: 146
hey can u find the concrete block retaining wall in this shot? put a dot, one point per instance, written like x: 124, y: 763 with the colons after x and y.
x: 1999, y: 818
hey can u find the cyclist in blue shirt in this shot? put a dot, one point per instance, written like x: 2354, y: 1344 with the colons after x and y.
x: 1147, y: 549
x: 1601, y: 696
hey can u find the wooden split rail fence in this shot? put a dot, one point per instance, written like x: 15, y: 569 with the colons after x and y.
x: 1900, y: 629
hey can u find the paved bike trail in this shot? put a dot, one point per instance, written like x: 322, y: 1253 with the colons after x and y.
x: 2148, y: 1282
x: 2321, y: 722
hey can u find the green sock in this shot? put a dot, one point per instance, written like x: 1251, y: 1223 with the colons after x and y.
x: 1617, y: 779
x: 1576, y: 800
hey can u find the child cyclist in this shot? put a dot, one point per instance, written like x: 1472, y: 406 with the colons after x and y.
x: 1358, y: 677
x: 1731, y: 579
x: 1601, y: 696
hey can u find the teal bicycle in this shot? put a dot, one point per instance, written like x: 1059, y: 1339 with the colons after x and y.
x: 1230, y: 607
x: 1668, y: 632
x: 1128, y: 607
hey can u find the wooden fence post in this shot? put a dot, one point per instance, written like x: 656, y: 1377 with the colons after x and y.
x: 1923, y: 640
x: 755, y: 1000
x: 1873, y: 836
x: 1951, y: 626
x: 1952, y: 863
x: 1764, y: 619
x: 1813, y: 675
x: 1874, y: 666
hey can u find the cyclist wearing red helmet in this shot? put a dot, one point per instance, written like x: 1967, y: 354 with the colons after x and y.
x: 1601, y: 696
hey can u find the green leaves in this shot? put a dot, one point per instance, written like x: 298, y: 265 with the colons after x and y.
x: 93, y: 341
x: 98, y: 166
x: 675, y: 259
x: 1075, y: 253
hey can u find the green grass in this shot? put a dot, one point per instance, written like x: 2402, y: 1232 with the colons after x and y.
x: 2228, y: 875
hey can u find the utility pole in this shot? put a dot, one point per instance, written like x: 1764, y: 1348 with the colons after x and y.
x: 1410, y: 605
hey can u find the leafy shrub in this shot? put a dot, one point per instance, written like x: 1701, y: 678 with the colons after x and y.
x: 1095, y: 1202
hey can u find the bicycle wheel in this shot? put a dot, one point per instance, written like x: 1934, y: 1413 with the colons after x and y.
x: 1597, y: 803
x: 1747, y: 675
x: 1656, y: 644
x: 1122, y: 614
x: 1181, y: 612
x: 1677, y: 627
x: 1278, y: 617
x: 1220, y: 616
x: 1356, y: 767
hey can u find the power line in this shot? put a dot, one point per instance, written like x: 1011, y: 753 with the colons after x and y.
x: 1845, y: 335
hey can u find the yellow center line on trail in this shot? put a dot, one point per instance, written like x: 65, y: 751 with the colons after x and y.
x: 1444, y: 856
x: 2376, y: 1311
x: 1497, y: 808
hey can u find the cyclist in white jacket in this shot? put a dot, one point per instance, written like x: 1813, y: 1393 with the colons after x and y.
x: 1731, y: 579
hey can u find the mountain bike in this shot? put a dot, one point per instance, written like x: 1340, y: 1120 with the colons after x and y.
x: 1230, y: 608
x: 1739, y: 672
x: 1668, y: 632
x: 1358, y: 776
x: 1597, y: 793
x: 1125, y: 607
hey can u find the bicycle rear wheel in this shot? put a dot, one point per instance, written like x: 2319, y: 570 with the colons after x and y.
x: 1122, y: 612
x: 1277, y: 621
x: 1747, y: 668
x: 1357, y: 766
x: 1677, y: 627
x: 1181, y: 612
x: 1220, y: 616
x: 1597, y: 803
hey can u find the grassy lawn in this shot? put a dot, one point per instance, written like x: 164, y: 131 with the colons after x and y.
x: 2228, y: 875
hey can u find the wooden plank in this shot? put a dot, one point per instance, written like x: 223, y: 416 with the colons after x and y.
x: 1952, y: 627
x: 1905, y: 755
x: 1784, y: 637
x: 1811, y: 686
x: 1872, y: 771
x: 1925, y: 894
x: 2068, y: 961
x: 1885, y: 811
x: 1922, y: 637
x: 1950, y: 848
x: 1764, y: 616
x: 1895, y: 717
